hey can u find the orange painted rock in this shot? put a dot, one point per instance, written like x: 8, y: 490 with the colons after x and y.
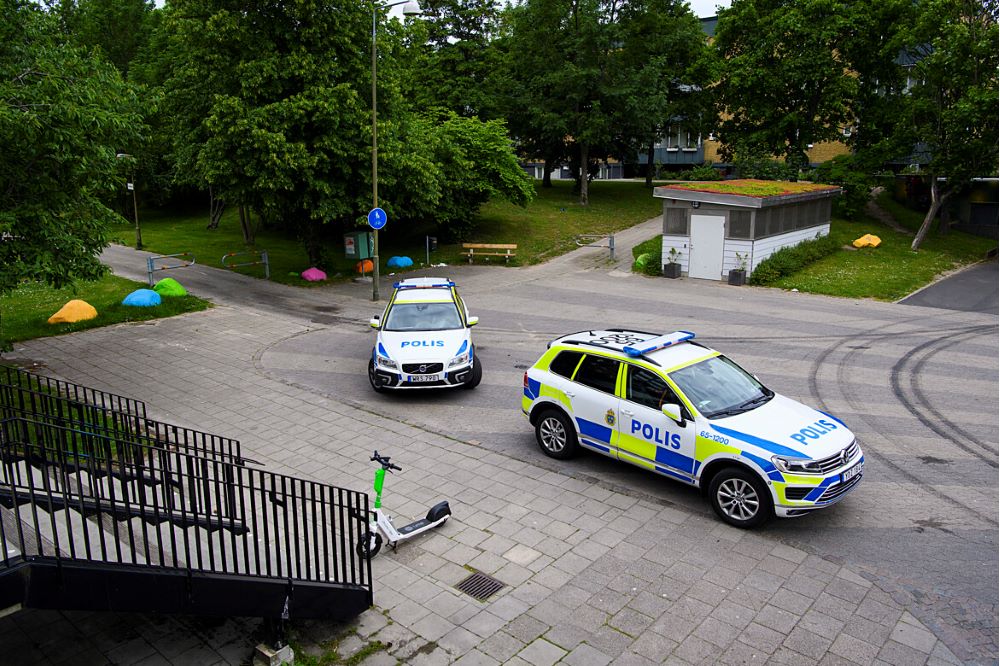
x: 75, y: 310
x: 365, y: 266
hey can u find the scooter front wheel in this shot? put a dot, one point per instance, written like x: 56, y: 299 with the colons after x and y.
x: 368, y: 548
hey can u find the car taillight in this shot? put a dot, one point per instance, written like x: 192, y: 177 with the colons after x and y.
x: 525, y: 379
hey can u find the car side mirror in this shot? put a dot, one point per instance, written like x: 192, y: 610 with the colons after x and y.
x: 374, y: 322
x: 473, y: 321
x: 673, y: 412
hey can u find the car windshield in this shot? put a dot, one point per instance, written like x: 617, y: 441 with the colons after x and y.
x: 718, y: 387
x: 423, y: 317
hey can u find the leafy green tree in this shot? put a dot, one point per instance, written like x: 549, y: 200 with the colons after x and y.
x: 63, y: 118
x: 567, y: 79
x: 950, y: 113
x: 118, y: 29
x: 785, y: 82
x: 451, y: 56
x: 664, y: 48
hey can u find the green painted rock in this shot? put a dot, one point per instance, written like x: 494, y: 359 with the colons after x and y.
x: 169, y: 287
x: 643, y: 259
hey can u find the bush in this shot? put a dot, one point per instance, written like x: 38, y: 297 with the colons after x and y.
x: 788, y: 260
x: 845, y: 171
x: 765, y: 169
x: 701, y: 172
x: 648, y: 256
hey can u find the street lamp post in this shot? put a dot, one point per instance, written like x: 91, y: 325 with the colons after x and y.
x: 135, y: 204
x: 410, y: 8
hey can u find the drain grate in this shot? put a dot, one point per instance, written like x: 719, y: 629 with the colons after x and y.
x: 480, y: 586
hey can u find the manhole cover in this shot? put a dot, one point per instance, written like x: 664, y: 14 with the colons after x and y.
x: 480, y: 586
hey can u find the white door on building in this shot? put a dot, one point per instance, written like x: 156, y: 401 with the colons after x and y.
x: 708, y: 236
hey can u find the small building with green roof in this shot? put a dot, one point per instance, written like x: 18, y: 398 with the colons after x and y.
x: 712, y: 227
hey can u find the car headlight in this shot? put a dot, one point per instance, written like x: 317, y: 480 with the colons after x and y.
x: 795, y: 465
x: 461, y: 359
x: 386, y: 362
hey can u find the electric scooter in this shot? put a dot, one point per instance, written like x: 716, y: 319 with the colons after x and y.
x: 371, y: 542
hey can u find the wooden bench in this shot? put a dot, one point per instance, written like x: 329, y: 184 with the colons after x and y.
x: 505, y: 250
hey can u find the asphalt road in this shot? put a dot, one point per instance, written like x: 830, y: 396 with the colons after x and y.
x: 974, y: 289
x: 918, y: 385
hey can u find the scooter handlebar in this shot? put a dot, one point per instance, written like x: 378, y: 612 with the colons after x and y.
x: 384, y: 461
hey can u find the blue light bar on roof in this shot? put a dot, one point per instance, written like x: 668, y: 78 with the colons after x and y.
x: 654, y: 344
x: 430, y: 285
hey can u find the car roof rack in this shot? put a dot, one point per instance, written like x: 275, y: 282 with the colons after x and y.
x: 601, y: 345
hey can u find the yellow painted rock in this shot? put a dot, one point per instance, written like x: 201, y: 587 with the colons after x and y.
x: 75, y: 310
x: 868, y: 240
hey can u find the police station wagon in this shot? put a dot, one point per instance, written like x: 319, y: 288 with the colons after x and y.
x: 671, y: 405
x: 424, y: 338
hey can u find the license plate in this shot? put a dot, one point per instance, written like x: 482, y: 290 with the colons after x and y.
x: 852, y: 472
x: 419, y: 379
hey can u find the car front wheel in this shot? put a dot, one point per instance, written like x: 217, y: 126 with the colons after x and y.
x: 740, y: 498
x: 373, y: 377
x: 476, y: 375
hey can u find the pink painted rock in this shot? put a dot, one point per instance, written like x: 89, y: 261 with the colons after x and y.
x: 313, y: 275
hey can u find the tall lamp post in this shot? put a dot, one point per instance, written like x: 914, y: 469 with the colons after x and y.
x: 410, y: 8
x: 135, y: 204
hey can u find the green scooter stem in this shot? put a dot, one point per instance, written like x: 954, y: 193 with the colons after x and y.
x: 379, y: 481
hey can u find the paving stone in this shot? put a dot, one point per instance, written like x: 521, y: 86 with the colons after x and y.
x: 914, y: 636
x: 585, y: 655
x: 501, y: 646
x: 459, y: 640
x: 674, y: 627
x: 567, y: 635
x: 820, y: 623
x: 476, y: 658
x: 540, y: 652
x: 775, y: 618
x: 762, y: 638
x: 609, y: 641
x: 806, y: 642
x: 630, y: 622
x: 898, y: 654
x: 741, y: 654
x: 432, y: 626
x: 484, y: 623
x: 854, y: 649
x: 793, y: 602
x: 734, y: 614
x: 526, y: 628
x: 698, y: 651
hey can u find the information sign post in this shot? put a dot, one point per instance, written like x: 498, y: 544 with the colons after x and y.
x: 376, y: 220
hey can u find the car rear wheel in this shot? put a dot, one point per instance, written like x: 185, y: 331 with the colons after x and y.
x: 740, y: 498
x: 476, y: 375
x: 556, y: 435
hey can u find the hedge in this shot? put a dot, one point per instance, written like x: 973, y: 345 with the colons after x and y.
x: 788, y: 260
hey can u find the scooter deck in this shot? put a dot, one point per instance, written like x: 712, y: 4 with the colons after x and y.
x: 414, y: 526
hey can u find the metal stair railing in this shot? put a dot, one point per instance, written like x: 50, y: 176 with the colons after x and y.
x: 24, y: 394
x: 216, y: 519
x: 10, y: 376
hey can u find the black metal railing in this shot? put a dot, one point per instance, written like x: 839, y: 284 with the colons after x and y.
x: 24, y: 394
x: 74, y: 500
x: 10, y: 377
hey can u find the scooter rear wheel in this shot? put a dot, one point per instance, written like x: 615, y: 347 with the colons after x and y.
x: 365, y: 547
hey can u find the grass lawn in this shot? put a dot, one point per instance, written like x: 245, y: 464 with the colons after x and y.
x: 890, y: 271
x: 24, y: 312
x: 542, y: 230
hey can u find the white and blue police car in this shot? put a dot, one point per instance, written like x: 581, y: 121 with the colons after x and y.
x: 424, y: 338
x: 673, y: 406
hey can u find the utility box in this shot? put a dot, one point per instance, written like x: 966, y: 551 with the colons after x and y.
x: 358, y: 245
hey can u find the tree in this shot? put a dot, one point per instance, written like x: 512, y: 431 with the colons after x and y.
x: 785, y: 81
x: 664, y: 47
x: 567, y: 78
x: 951, y: 113
x: 451, y: 56
x: 63, y: 118
x: 118, y: 29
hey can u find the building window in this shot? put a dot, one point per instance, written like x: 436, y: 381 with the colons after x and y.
x: 675, y: 222
x: 739, y: 224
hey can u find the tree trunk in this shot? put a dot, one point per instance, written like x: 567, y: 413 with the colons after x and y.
x: 650, y: 152
x: 547, y: 176
x: 215, y: 208
x: 937, y: 200
x: 246, y: 226
x: 584, y: 174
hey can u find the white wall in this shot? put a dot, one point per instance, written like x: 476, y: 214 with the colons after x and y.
x: 729, y: 262
x: 681, y: 244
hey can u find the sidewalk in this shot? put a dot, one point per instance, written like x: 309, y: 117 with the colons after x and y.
x: 591, y: 575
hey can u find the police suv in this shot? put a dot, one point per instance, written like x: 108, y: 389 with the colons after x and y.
x: 671, y: 405
x: 424, y: 338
